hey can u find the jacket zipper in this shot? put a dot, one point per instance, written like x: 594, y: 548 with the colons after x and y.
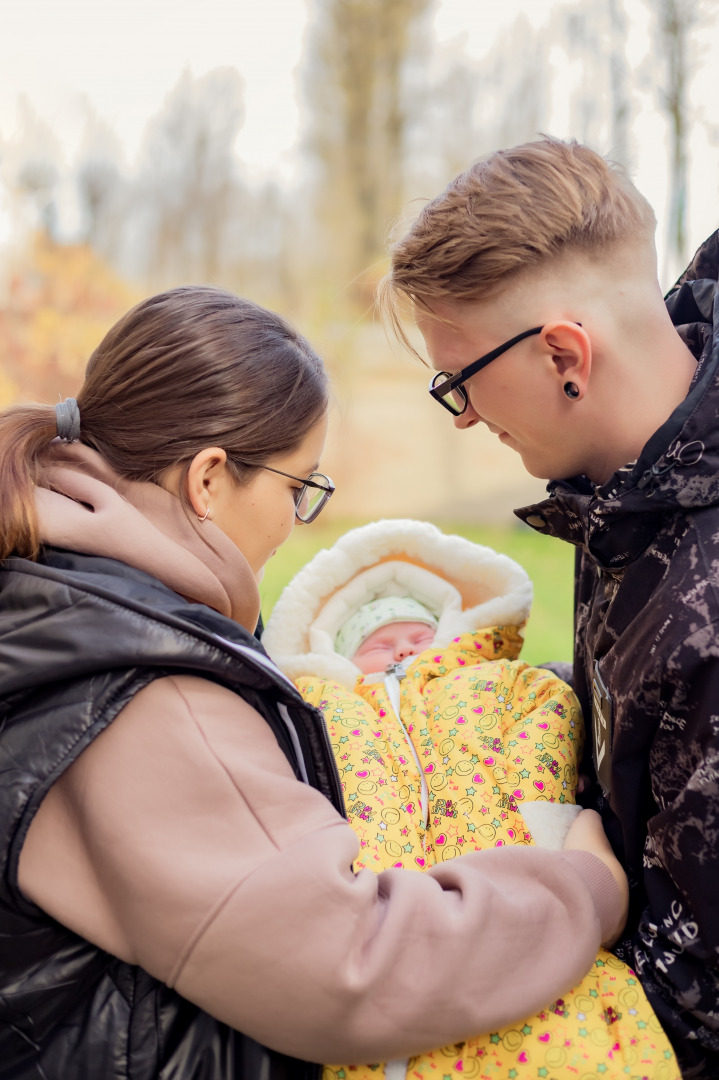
x: 392, y: 679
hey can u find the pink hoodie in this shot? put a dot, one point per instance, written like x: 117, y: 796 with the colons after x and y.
x: 181, y: 841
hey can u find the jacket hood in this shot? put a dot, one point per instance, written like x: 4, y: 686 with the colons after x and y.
x: 467, y: 586
x: 84, y: 506
x: 679, y: 465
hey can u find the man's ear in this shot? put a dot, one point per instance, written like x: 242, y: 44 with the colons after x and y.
x: 570, y: 348
x: 206, y: 473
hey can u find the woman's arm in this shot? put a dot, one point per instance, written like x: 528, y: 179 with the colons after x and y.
x: 181, y: 841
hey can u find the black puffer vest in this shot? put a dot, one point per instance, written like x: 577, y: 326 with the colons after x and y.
x: 79, y: 636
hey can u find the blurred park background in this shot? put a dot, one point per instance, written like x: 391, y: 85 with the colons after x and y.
x: 274, y: 148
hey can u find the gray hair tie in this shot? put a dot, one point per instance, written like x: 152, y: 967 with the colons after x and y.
x: 68, y: 420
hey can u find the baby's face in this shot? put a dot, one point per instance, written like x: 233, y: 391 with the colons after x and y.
x: 390, y: 644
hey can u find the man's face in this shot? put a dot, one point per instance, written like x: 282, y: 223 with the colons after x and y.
x: 515, y: 396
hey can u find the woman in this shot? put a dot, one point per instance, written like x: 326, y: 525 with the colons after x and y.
x: 176, y: 866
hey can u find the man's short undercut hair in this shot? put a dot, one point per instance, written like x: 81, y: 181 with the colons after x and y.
x: 507, y: 214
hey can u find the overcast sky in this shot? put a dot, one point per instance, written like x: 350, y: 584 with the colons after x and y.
x: 124, y: 56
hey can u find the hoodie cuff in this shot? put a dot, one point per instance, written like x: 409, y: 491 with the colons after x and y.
x: 604, y: 889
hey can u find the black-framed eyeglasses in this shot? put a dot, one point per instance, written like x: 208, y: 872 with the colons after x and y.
x: 311, y: 498
x: 449, y: 390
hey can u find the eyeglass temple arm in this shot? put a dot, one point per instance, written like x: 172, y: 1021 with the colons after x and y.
x: 472, y: 369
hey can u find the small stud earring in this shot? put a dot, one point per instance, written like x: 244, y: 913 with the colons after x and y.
x: 571, y: 390
x: 204, y: 516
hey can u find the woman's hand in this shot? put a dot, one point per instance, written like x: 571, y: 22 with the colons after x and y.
x: 587, y: 834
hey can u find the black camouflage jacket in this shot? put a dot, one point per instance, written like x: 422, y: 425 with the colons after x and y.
x: 646, y: 670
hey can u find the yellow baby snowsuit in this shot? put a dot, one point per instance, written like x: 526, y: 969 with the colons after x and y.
x: 461, y: 748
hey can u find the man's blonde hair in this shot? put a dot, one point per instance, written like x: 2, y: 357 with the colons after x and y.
x: 507, y: 214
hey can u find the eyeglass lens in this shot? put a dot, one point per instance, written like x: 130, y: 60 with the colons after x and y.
x: 455, y: 400
x: 310, y: 500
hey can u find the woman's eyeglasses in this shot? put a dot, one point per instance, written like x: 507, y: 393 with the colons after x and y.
x: 311, y: 497
x: 449, y: 390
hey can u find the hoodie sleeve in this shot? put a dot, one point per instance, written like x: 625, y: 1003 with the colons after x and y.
x: 181, y: 841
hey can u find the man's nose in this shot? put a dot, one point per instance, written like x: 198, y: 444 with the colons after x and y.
x: 466, y: 419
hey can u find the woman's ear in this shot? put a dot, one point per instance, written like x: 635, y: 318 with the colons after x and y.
x: 206, y: 474
x: 570, y: 348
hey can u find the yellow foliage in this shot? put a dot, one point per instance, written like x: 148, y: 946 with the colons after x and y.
x: 61, y: 300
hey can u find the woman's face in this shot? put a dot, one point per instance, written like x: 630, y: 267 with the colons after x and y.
x: 259, y: 516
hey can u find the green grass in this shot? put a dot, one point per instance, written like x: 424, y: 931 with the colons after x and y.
x: 548, y: 562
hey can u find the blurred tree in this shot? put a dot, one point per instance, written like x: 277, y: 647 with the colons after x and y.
x: 621, y: 107
x: 101, y: 185
x: 59, y: 301
x: 32, y: 167
x: 358, y: 55
x: 675, y: 23
x: 188, y: 176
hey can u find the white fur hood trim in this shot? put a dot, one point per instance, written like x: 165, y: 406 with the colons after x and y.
x: 484, y: 589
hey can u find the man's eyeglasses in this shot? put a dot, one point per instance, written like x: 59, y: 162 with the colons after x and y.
x: 311, y: 497
x: 449, y: 390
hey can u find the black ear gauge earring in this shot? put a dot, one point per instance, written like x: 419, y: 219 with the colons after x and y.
x: 571, y: 390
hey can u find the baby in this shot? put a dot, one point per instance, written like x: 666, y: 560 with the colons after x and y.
x: 386, y: 631
x: 408, y: 642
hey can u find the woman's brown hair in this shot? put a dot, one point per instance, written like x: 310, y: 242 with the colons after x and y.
x: 189, y: 368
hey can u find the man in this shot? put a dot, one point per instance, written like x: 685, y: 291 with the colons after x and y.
x: 540, y: 261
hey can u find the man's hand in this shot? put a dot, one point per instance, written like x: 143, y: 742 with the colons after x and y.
x: 587, y: 834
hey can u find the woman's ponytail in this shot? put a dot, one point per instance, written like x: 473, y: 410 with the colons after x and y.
x: 25, y: 431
